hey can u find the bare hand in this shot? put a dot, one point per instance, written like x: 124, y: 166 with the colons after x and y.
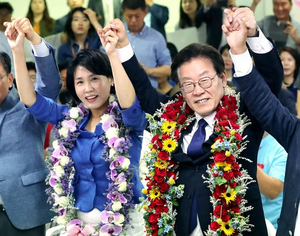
x: 15, y: 36
x: 109, y: 40
x: 236, y: 38
x: 243, y: 13
x: 27, y: 29
x: 118, y: 26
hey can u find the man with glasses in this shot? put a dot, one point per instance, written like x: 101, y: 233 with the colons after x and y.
x: 201, y: 73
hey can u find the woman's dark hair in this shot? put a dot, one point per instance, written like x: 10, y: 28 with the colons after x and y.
x: 223, y: 48
x: 196, y: 50
x: 184, y: 19
x: 93, y: 60
x: 68, y: 26
x: 295, y: 55
x: 49, y: 23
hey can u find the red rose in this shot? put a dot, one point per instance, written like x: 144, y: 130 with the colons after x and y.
x: 155, y: 140
x: 225, y: 217
x: 181, y: 119
x: 161, y: 209
x: 165, y: 136
x: 216, y: 195
x: 224, y: 123
x: 219, y: 156
x: 232, y: 185
x: 228, y: 175
x: 221, y: 188
x: 160, y: 172
x: 153, y: 218
x: 155, y: 233
x: 220, y: 211
x: 170, y: 115
x: 171, y: 174
x: 159, y: 202
x: 158, y: 179
x: 235, y: 166
x: 238, y: 137
x: 163, y: 155
x: 154, y: 227
x: 214, y: 226
x: 235, y: 209
x: 237, y: 173
x: 230, y: 159
x: 164, y: 187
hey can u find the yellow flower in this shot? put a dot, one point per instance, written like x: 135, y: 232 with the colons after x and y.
x: 144, y: 191
x: 150, y: 146
x: 232, y: 132
x: 161, y: 164
x: 227, y: 153
x: 153, y: 151
x: 167, y: 126
x: 226, y: 228
x: 214, y: 145
x: 229, y: 196
x: 169, y: 145
x: 225, y: 165
x: 171, y: 181
x: 145, y: 207
x: 154, y: 193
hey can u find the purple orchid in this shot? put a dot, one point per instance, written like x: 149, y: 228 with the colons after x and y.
x: 69, y: 124
x: 111, y: 229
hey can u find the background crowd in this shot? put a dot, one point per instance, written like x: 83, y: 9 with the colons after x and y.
x: 145, y: 29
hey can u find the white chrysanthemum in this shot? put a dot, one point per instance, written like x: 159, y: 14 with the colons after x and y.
x: 104, y: 117
x: 61, y: 220
x: 120, y: 220
x: 74, y: 113
x: 63, y: 132
x: 59, y: 171
x: 112, y: 132
x: 116, y: 206
x: 64, y: 160
x: 122, y: 186
x: 125, y: 164
x: 55, y: 144
x: 58, y: 189
x: 62, y: 201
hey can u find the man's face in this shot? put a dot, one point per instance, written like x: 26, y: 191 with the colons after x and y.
x: 6, y: 81
x: 134, y: 19
x: 75, y: 3
x: 282, y: 9
x: 63, y: 76
x: 202, y: 101
x: 4, y: 16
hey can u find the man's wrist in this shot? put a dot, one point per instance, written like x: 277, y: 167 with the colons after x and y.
x: 254, y: 32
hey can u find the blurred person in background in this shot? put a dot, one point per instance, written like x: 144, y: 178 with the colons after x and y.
x: 39, y: 17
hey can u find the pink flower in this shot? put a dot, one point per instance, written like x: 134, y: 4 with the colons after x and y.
x: 69, y: 124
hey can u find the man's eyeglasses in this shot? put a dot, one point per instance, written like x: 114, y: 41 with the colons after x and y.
x: 204, y: 83
x: 2, y: 77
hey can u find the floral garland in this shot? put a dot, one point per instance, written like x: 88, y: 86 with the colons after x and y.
x: 166, y: 126
x: 226, y: 181
x: 119, y: 193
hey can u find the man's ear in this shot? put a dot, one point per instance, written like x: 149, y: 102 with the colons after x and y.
x: 10, y: 79
x: 224, y: 79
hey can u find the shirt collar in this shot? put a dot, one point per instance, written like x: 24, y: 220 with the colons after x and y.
x: 138, y: 33
x: 210, y: 119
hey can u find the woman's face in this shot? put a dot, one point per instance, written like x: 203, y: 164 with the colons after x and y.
x: 92, y: 90
x: 288, y: 63
x: 80, y: 23
x: 38, y: 6
x: 227, y: 59
x: 189, y: 6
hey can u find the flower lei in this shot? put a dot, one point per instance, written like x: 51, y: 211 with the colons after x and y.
x: 166, y: 126
x: 119, y: 193
x: 227, y: 182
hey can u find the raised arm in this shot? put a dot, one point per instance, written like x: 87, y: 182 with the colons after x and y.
x: 148, y: 97
x: 15, y: 36
x: 124, y: 89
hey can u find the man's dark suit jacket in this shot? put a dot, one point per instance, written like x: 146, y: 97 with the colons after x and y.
x: 191, y: 171
x: 214, y: 20
x: 285, y: 127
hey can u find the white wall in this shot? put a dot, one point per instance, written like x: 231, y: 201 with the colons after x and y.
x: 59, y: 8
